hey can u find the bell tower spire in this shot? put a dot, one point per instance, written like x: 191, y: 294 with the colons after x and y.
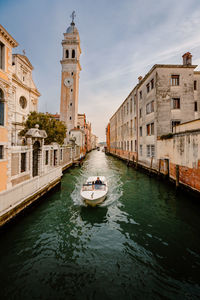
x: 70, y: 76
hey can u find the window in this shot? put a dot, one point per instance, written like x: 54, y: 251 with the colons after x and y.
x: 1, y: 108
x: 131, y: 103
x: 195, y: 85
x: 195, y: 106
x: 46, y: 157
x: 135, y: 145
x: 150, y: 129
x: 152, y: 150
x: 140, y: 112
x: 150, y: 107
x: 70, y: 118
x: 131, y: 127
x: 124, y: 145
x: 140, y: 130
x: 152, y: 84
x: 73, y: 53
x: 175, y: 103
x: 23, y: 162
x: 148, y: 151
x: 131, y: 145
x: 127, y: 145
x: 174, y: 124
x: 148, y: 88
x: 71, y: 104
x: 71, y: 90
x: 140, y: 150
x: 2, y: 56
x: 22, y: 102
x: 61, y: 154
x: 174, y: 80
x: 127, y: 108
x: 1, y: 152
x: 140, y: 94
x: 67, y: 54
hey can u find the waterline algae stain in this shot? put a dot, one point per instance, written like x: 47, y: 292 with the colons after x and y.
x: 142, y: 242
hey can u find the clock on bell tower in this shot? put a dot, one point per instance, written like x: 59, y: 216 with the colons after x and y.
x: 70, y: 77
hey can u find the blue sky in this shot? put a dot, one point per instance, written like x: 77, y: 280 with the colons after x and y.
x: 120, y: 41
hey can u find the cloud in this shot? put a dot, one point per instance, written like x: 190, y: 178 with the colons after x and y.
x: 120, y: 40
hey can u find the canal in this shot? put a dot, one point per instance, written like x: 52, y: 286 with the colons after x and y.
x: 143, y: 242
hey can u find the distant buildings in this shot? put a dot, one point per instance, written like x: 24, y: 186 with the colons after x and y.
x: 167, y: 96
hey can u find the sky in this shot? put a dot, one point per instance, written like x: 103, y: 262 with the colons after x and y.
x: 120, y: 40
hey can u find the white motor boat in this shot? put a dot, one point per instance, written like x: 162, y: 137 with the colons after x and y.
x: 94, y: 193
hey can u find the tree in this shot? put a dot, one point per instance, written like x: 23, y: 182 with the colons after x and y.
x: 56, y: 130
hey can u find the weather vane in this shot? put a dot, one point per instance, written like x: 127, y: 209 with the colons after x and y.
x: 73, y: 15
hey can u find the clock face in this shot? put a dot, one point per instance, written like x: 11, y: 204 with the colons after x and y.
x: 68, y: 81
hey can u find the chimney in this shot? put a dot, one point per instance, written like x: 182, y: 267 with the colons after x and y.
x: 187, y: 59
x: 139, y: 78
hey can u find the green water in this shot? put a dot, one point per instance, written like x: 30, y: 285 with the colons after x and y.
x: 143, y: 242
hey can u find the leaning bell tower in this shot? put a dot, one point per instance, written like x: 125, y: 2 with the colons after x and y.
x: 70, y: 77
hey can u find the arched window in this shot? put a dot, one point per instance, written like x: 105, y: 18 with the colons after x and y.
x: 73, y: 53
x: 1, y: 108
x: 67, y: 54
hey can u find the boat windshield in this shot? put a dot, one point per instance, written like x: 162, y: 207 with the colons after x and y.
x: 93, y: 187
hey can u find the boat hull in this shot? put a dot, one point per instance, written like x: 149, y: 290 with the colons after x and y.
x: 94, y: 202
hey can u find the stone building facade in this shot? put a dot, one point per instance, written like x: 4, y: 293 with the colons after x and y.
x: 24, y: 93
x: 167, y: 96
x: 7, y: 43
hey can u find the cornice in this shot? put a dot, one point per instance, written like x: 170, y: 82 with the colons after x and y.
x: 8, y: 37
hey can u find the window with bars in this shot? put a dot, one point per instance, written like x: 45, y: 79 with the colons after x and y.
x: 175, y: 80
x: 150, y: 107
x: 140, y: 150
x: 148, y: 151
x: 23, y: 162
x: 176, y: 103
x: 1, y: 152
x: 152, y: 150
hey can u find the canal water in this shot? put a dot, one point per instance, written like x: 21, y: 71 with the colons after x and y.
x: 143, y: 242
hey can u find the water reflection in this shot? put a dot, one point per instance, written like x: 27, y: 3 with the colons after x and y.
x: 143, y: 241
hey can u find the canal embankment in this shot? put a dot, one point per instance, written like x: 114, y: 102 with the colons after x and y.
x: 166, y: 171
